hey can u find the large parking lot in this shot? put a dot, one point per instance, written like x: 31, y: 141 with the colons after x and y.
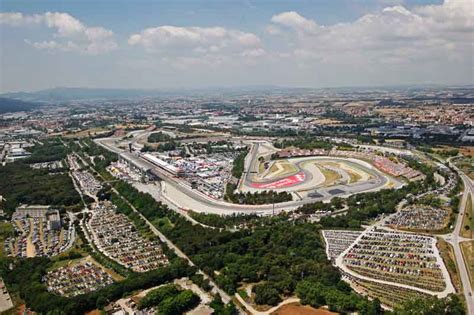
x: 116, y: 236
x: 419, y: 217
x: 80, y: 278
x: 38, y: 236
x: 88, y: 183
x: 338, y: 241
x: 397, y: 257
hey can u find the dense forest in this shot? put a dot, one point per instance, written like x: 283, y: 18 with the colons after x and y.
x: 49, y: 150
x: 26, y: 185
x: 367, y: 206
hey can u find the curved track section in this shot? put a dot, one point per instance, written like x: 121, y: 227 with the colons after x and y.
x: 182, y: 195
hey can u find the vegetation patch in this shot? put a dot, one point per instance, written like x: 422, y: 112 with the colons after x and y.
x: 256, y: 198
x: 6, y: 231
x: 238, y: 165
x: 467, y: 249
x: 468, y: 219
x: 169, y: 300
x: 447, y: 254
x: 158, y: 137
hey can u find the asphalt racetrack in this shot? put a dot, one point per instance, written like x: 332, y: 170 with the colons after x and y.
x: 180, y: 194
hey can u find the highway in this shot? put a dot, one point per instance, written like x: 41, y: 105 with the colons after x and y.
x: 185, y: 197
x: 454, y: 239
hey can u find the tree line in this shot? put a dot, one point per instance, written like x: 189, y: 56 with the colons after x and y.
x: 256, y: 198
x: 238, y: 165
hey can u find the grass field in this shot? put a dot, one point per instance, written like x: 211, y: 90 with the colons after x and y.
x: 163, y: 223
x: 467, y: 220
x: 447, y: 253
x: 329, y: 175
x: 354, y: 177
x: 467, y: 249
x: 63, y: 259
x: 87, y: 132
x: 287, y: 167
x: 466, y: 165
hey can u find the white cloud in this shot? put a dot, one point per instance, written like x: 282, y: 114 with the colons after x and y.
x: 295, y: 21
x: 193, y: 45
x: 17, y: 18
x: 71, y: 34
x: 424, y: 33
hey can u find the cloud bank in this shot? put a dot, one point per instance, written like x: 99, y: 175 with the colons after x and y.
x: 71, y: 34
x: 396, y: 44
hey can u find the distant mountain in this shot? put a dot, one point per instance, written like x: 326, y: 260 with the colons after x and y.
x: 8, y: 105
x: 66, y: 94
x: 62, y: 94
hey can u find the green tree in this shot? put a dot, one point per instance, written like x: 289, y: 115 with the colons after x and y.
x: 266, y: 294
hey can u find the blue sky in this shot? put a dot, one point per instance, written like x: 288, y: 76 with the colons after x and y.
x: 162, y: 44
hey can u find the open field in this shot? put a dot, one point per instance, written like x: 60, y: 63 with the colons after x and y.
x: 468, y: 256
x: 298, y: 309
x: 326, y: 121
x: 330, y: 176
x: 87, y: 132
x: 281, y: 168
x: 466, y: 164
x: 467, y: 220
x: 354, y: 177
x: 467, y: 151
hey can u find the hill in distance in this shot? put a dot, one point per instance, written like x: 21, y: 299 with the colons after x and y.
x: 8, y: 105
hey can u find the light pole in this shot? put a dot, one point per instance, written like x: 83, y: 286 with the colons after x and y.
x: 273, y: 203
